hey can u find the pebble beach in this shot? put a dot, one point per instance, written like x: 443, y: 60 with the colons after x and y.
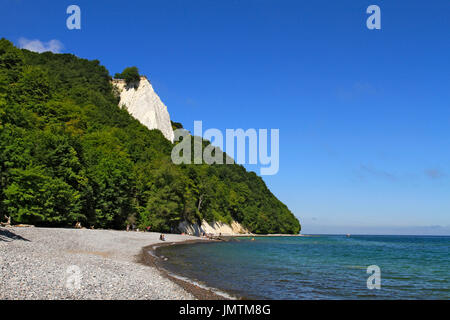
x: 80, y: 264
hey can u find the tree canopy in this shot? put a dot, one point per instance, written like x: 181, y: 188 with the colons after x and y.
x: 130, y: 75
x: 69, y: 153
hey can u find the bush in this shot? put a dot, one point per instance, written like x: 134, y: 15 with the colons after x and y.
x: 130, y: 75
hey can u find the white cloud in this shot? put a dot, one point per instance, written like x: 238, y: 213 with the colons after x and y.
x: 54, y: 46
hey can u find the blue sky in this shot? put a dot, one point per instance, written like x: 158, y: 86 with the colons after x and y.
x: 364, y: 115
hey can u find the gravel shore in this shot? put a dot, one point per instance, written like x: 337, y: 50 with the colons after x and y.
x: 44, y: 263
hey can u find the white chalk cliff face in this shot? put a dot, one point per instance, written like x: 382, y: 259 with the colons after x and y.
x: 145, y: 105
x: 216, y: 228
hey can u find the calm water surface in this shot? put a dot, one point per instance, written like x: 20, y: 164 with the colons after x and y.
x: 319, y: 267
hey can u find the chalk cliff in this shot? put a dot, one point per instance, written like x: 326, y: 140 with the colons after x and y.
x: 215, y: 228
x: 144, y: 104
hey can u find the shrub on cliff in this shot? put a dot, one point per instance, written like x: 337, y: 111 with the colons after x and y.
x: 130, y: 75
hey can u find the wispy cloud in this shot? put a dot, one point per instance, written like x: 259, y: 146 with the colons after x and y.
x: 357, y: 90
x: 434, y: 173
x: 36, y: 45
x: 365, y: 169
x: 191, y: 102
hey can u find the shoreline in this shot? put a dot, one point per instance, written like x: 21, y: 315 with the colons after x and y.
x: 150, y: 257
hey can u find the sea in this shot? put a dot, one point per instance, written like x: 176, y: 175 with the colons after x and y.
x: 337, y: 267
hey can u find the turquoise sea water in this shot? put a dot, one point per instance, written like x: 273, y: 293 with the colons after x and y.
x: 319, y: 267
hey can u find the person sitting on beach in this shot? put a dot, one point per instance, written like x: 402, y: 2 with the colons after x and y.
x: 162, y: 238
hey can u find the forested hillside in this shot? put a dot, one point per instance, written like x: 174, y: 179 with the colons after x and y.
x: 68, y: 153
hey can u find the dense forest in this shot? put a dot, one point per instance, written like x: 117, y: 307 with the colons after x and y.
x: 68, y: 153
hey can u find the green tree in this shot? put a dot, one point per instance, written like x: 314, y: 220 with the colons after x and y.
x: 130, y: 75
x: 37, y: 198
x: 167, y: 201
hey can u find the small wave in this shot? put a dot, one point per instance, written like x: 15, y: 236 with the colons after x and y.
x: 202, y: 286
